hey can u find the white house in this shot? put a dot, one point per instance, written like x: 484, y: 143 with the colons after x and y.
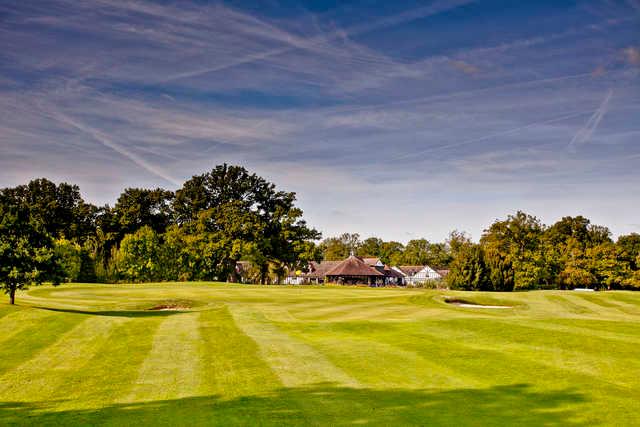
x: 414, y: 274
x: 295, y: 278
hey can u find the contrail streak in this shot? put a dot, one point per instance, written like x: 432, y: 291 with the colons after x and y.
x: 493, y: 135
x: 315, y: 42
x: 107, y: 142
x: 450, y: 95
x: 584, y: 133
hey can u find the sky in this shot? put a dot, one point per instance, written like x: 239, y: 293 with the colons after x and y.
x: 400, y: 120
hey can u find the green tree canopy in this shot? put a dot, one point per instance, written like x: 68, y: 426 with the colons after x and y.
x: 338, y: 248
x: 139, y: 207
x: 27, y: 255
x: 58, y: 208
x: 370, y: 247
x: 628, y: 247
x: 468, y: 270
x: 139, y: 258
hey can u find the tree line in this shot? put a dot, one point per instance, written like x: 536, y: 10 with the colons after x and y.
x: 415, y: 252
x: 199, y: 232
x: 521, y: 253
x: 518, y: 253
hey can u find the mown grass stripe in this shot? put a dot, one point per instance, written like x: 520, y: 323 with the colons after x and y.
x: 631, y: 298
x: 594, y: 302
x: 232, y: 364
x: 569, y: 305
x: 581, y: 331
x: 295, y: 363
x: 38, y: 377
x: 20, y: 319
x: 421, y: 363
x: 30, y: 331
x: 112, y: 370
x: 500, y: 365
x: 364, y: 358
x: 574, y: 353
x: 330, y: 311
x: 619, y: 327
x: 6, y: 309
x: 172, y: 367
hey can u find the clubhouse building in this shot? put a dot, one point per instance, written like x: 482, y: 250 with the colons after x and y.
x: 364, y: 271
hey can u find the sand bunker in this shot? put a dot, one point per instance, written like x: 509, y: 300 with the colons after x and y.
x: 468, y: 304
x: 171, y: 306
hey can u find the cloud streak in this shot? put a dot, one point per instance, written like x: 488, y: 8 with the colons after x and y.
x: 319, y: 43
x: 107, y: 142
x: 584, y: 133
x: 346, y: 105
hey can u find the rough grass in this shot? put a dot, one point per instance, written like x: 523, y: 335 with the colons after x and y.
x: 248, y: 355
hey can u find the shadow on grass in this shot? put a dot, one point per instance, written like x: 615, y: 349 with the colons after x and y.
x: 117, y: 313
x: 325, y: 404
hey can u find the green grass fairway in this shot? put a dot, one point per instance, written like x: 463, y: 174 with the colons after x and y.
x: 248, y: 355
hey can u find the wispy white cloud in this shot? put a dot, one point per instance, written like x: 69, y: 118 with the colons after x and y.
x: 322, y: 44
x: 341, y: 110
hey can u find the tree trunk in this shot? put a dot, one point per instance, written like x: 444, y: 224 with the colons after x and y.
x: 233, y: 277
x: 12, y: 296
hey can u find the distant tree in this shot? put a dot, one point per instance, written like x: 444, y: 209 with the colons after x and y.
x: 603, y: 262
x: 69, y: 258
x: 501, y: 275
x: 58, y: 208
x: 468, y: 270
x: 574, y: 276
x: 575, y: 266
x: 628, y: 247
x: 580, y: 230
x: 234, y: 233
x: 569, y: 227
x: 190, y: 252
x: 87, y: 273
x: 338, y: 248
x: 439, y: 256
x: 307, y: 251
x: 598, y: 235
x: 422, y: 252
x: 632, y: 280
x: 370, y: 247
x: 391, y: 252
x: 139, y: 207
x: 278, y: 233
x: 27, y: 255
x: 518, y: 240
x: 139, y: 257
x: 223, y: 184
x: 290, y: 240
x: 416, y: 252
x: 457, y: 241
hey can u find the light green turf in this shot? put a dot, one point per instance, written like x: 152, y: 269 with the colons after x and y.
x: 250, y: 355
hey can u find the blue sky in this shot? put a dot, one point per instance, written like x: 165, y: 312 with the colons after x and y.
x: 397, y: 119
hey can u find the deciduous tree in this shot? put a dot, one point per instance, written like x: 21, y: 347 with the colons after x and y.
x: 27, y: 255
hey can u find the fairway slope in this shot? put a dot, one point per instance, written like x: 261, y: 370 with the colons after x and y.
x: 217, y: 354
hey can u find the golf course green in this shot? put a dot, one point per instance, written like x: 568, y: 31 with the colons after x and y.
x: 219, y: 354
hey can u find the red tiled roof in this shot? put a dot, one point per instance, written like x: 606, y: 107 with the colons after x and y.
x: 319, y: 269
x: 353, y: 266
